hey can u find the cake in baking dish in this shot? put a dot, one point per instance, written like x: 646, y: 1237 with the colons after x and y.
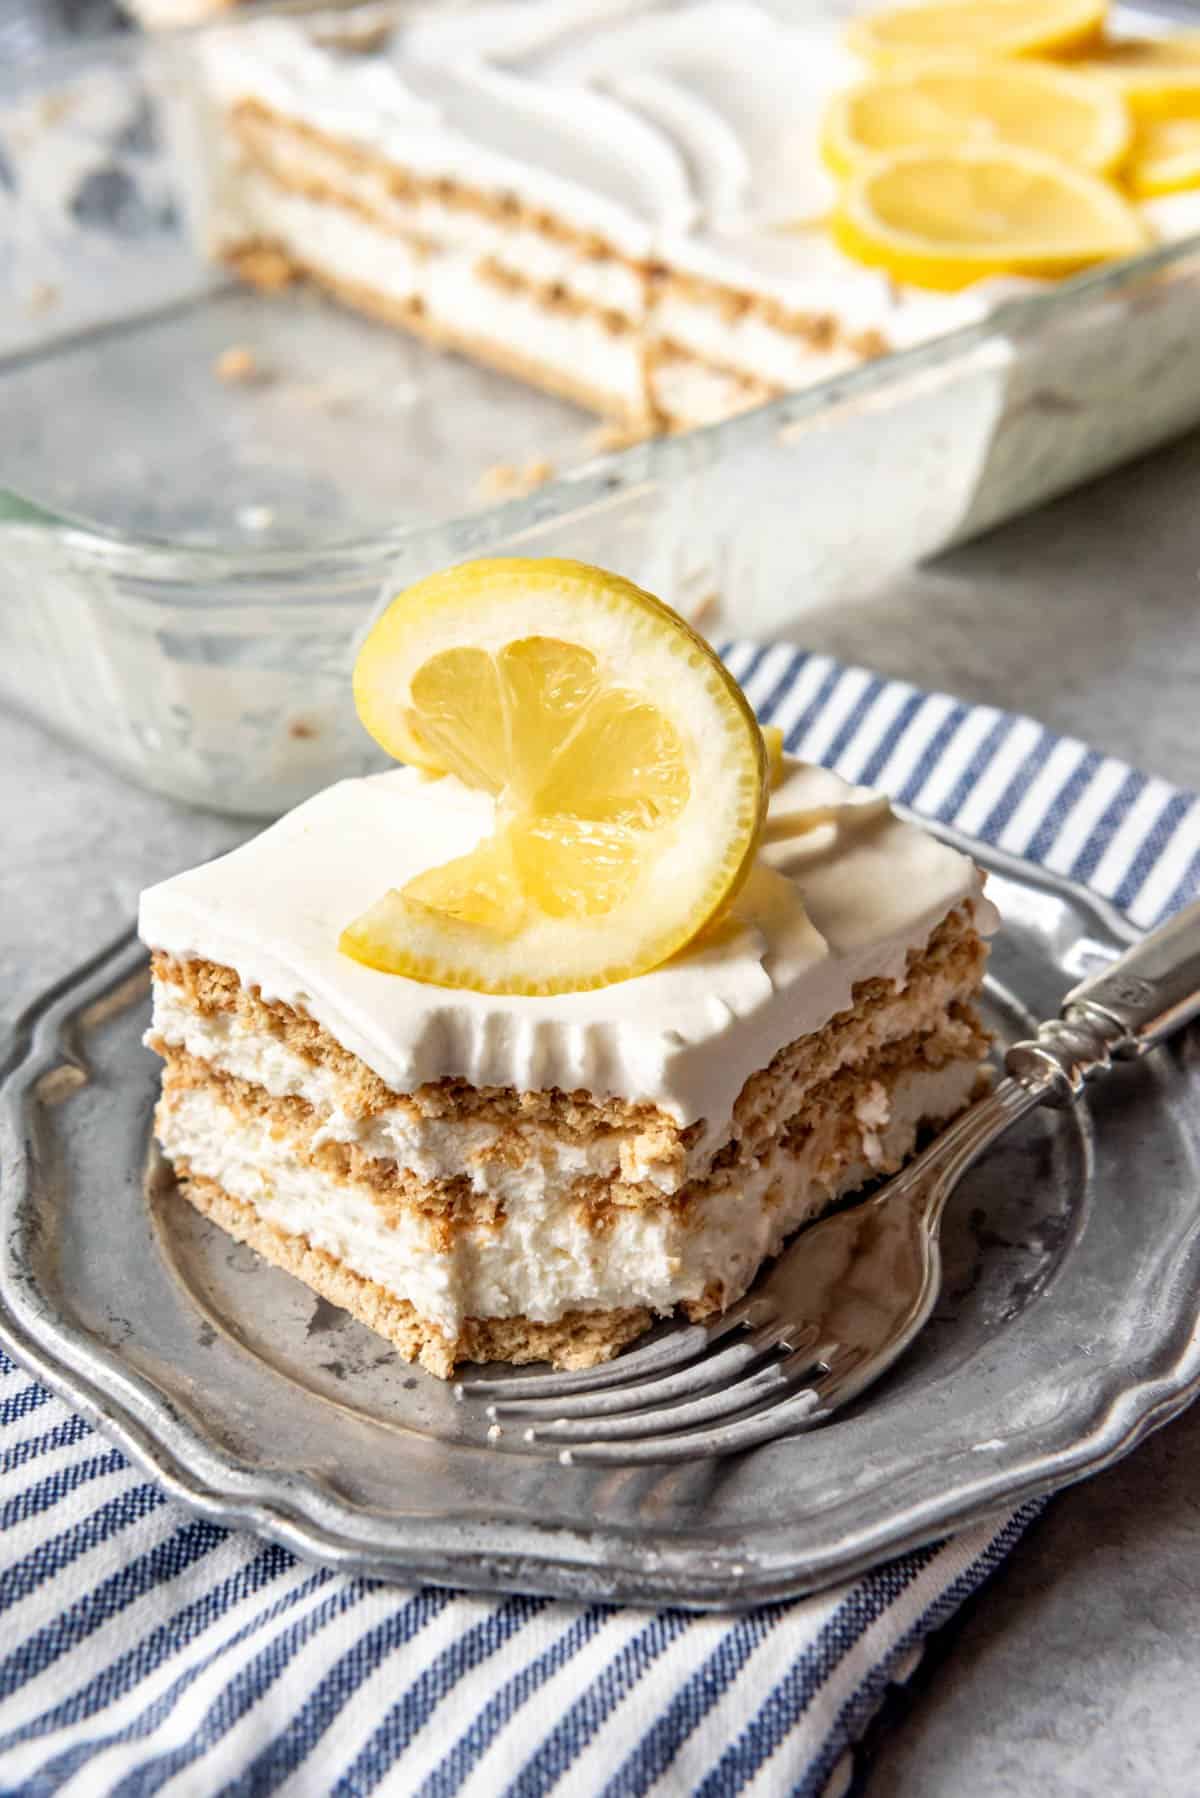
x: 623, y: 202
x: 402, y: 1060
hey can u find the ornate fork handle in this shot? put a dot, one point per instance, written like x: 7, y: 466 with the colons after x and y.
x: 1117, y: 1014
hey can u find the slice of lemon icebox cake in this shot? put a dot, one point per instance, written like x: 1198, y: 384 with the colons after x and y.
x: 572, y: 1020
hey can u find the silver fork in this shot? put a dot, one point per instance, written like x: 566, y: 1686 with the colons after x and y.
x: 852, y: 1291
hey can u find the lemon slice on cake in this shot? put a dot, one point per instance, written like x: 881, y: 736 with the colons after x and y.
x: 944, y: 218
x: 908, y: 32
x: 773, y: 745
x: 627, y: 771
x: 972, y: 103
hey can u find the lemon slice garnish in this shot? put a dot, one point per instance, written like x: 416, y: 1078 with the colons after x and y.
x: 773, y: 744
x: 945, y: 218
x: 1166, y: 156
x: 898, y: 34
x: 628, y: 774
x: 1156, y: 77
x: 975, y: 104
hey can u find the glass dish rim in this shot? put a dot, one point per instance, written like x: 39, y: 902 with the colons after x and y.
x: 595, y: 482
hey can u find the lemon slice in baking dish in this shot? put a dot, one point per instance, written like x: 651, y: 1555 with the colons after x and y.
x: 900, y: 34
x: 627, y: 771
x: 969, y: 101
x: 1156, y: 77
x: 1166, y: 156
x: 945, y: 218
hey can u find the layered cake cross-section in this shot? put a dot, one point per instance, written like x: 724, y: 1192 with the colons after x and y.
x: 480, y: 1176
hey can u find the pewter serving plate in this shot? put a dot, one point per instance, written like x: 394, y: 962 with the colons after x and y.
x: 1067, y: 1330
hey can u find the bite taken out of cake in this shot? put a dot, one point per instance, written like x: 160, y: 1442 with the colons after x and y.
x: 573, y: 1023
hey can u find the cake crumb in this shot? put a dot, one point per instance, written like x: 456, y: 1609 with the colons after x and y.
x: 237, y: 366
x: 705, y: 607
x: 504, y: 480
x: 870, y: 344
x: 611, y: 436
x: 303, y: 729
x: 43, y: 297
x: 53, y: 108
x: 359, y: 35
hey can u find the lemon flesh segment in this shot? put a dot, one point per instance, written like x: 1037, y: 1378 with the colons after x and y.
x: 901, y: 34
x: 942, y: 219
x: 1166, y: 156
x: 627, y: 770
x: 975, y: 104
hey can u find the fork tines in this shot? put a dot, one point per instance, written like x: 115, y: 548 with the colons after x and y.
x: 682, y: 1398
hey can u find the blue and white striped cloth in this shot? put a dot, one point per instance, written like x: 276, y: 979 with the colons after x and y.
x: 147, y: 1651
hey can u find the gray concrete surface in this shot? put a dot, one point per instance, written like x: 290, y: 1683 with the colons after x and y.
x: 1077, y: 1671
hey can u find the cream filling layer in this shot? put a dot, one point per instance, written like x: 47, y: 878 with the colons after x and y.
x: 544, y: 1260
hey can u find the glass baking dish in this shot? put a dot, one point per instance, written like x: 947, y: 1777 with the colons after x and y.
x: 187, y: 563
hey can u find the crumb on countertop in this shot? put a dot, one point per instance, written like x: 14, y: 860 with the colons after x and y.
x: 237, y: 365
x: 611, y: 436
x: 358, y: 35
x: 43, y: 297
x: 705, y: 607
x: 504, y: 480
x: 870, y: 344
x: 53, y: 108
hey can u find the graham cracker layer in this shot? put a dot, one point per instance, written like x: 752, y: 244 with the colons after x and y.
x: 450, y: 1205
x: 580, y: 1339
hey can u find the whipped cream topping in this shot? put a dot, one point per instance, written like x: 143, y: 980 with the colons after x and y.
x: 819, y: 913
x: 681, y: 133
